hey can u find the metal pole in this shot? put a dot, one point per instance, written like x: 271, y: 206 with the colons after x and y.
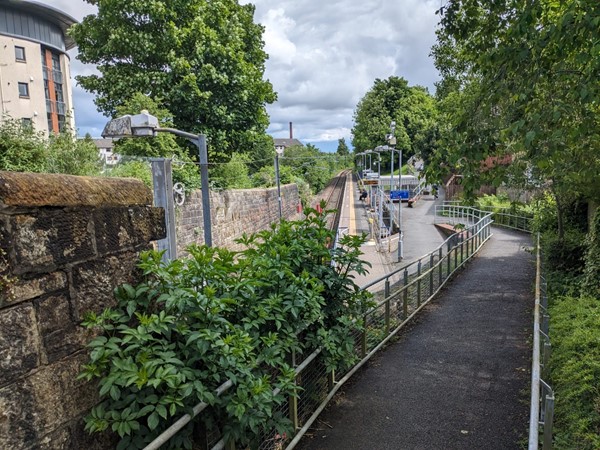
x: 400, y: 237
x: 391, y: 189
x: 380, y: 187
x: 201, y: 143
x: 278, y: 185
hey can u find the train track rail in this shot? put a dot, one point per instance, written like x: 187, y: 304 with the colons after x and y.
x: 333, y: 194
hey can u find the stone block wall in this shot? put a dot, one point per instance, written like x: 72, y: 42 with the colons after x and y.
x: 233, y: 213
x: 65, y: 243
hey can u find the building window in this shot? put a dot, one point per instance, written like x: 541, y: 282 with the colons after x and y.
x: 26, y: 122
x: 24, y: 90
x: 20, y: 53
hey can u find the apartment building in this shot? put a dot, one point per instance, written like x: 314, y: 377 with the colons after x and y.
x: 35, y: 78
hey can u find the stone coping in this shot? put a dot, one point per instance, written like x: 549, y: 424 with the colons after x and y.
x: 19, y: 189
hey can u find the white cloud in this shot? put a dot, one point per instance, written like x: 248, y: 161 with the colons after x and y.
x: 324, y: 56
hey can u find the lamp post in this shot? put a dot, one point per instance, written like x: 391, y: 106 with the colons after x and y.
x: 278, y: 153
x: 145, y: 124
x: 391, y: 138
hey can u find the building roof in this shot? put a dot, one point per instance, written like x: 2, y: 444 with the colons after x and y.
x: 285, y: 143
x: 104, y: 143
x: 49, y: 13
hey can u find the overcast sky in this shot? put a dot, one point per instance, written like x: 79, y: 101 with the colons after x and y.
x: 324, y: 56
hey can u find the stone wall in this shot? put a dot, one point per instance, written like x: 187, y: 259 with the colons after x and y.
x: 233, y: 213
x: 65, y: 243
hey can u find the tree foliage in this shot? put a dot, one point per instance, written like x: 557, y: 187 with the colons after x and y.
x: 204, y: 60
x: 342, y: 148
x: 412, y: 108
x: 22, y: 149
x: 520, y: 79
x: 310, y: 164
x: 197, y: 322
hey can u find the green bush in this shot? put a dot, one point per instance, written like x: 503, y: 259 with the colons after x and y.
x: 575, y: 371
x: 591, y: 278
x: 132, y: 168
x: 566, y: 255
x: 194, y: 323
x: 21, y: 148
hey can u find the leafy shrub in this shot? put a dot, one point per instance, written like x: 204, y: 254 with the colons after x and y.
x: 233, y: 174
x: 194, y: 323
x: 575, y: 365
x: 66, y: 154
x: 566, y: 255
x: 591, y: 279
x: 22, y: 149
x: 132, y: 168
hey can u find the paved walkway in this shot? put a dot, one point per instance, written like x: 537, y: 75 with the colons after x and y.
x: 458, y: 378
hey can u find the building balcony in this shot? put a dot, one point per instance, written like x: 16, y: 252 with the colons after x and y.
x: 56, y: 75
x: 59, y: 108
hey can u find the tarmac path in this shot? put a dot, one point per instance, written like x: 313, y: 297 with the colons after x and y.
x: 458, y: 377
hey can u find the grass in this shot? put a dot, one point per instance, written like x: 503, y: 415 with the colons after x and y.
x: 575, y: 371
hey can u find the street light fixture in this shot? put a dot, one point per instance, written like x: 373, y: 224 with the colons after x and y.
x: 145, y: 124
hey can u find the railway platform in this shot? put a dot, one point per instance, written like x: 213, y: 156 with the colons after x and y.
x: 420, y: 236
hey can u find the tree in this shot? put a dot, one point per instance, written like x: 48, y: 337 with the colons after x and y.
x: 308, y: 163
x: 342, y: 148
x: 22, y: 149
x: 66, y: 154
x: 523, y: 82
x: 204, y: 60
x: 412, y: 108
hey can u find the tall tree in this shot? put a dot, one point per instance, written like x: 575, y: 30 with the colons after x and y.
x: 203, y: 58
x: 342, y: 148
x: 521, y: 79
x: 412, y: 108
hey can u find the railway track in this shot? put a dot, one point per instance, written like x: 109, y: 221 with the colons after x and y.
x: 333, y: 194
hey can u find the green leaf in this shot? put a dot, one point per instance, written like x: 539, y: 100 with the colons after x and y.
x: 153, y: 421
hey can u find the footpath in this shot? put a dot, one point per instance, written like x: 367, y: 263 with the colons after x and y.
x: 458, y: 377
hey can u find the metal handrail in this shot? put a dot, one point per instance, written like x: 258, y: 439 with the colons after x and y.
x: 542, y: 407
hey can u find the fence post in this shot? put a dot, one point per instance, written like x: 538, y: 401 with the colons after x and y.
x: 455, y: 257
x: 548, y: 422
x: 431, y: 274
x: 419, y: 284
x: 364, y: 338
x: 462, y: 246
x: 387, y: 305
x: 331, y: 380
x: 440, y: 265
x: 294, y: 399
x: 405, y: 299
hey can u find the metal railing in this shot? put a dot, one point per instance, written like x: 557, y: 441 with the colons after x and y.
x: 542, y: 396
x: 56, y: 107
x: 509, y: 218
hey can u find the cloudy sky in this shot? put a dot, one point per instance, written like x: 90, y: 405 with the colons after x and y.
x: 324, y: 56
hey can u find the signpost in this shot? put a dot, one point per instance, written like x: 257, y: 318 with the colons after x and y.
x: 400, y: 195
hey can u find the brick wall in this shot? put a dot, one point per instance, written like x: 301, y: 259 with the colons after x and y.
x: 233, y: 213
x: 65, y: 243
